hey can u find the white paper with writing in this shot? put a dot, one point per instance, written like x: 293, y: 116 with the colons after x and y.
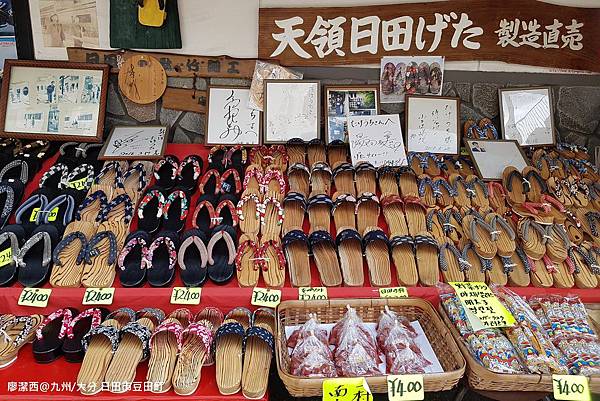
x: 377, y: 140
x: 230, y: 120
x: 136, y: 142
x: 292, y: 111
x: 526, y: 116
x: 432, y: 125
x: 492, y: 157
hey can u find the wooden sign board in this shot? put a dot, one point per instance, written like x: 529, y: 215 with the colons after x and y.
x: 175, y: 65
x: 516, y: 31
x: 184, y: 100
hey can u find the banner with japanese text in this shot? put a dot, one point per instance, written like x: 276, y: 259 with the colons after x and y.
x: 516, y: 31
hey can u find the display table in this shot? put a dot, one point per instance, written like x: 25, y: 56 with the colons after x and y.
x: 224, y: 297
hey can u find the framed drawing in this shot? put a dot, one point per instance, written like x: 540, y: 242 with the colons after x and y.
x: 527, y: 115
x: 229, y: 120
x: 291, y: 110
x: 492, y: 156
x: 432, y: 124
x: 126, y: 142
x: 342, y: 102
x: 53, y: 100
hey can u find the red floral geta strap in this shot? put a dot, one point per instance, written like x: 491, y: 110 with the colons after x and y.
x: 66, y: 316
x: 171, y: 327
x: 94, y: 313
x: 240, y: 252
x: 262, y: 251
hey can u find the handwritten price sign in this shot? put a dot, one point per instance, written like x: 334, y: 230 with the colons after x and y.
x: 483, y: 309
x: 348, y: 389
x: 265, y: 297
x: 36, y: 297
x: 185, y: 296
x: 98, y: 296
x: 393, y: 292
x: 406, y: 388
x: 567, y: 387
x: 312, y: 293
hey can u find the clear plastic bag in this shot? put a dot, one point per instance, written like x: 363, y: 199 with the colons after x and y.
x: 311, y: 326
x: 402, y: 354
x: 312, y: 358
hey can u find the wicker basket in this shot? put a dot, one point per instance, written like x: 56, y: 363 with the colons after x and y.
x: 291, y: 313
x: 480, y: 378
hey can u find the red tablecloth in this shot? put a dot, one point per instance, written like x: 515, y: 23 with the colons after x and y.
x: 224, y: 297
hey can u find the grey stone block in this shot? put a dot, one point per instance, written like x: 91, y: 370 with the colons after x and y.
x: 193, y: 122
x: 168, y: 117
x: 231, y: 81
x: 180, y: 136
x: 186, y: 83
x: 448, y: 89
x: 113, y: 101
x: 392, y: 108
x: 576, y: 138
x: 485, y: 99
x: 463, y: 90
x: 578, y: 108
x: 468, y: 113
x: 140, y: 112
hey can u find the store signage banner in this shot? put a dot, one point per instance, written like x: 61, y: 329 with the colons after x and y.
x: 515, y: 31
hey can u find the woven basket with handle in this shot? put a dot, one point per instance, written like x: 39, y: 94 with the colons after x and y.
x: 293, y: 313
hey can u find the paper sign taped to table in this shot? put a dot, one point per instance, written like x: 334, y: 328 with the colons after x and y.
x: 312, y: 293
x: 36, y: 297
x: 393, y: 292
x: 6, y: 257
x: 405, y: 388
x: 186, y: 295
x: 377, y: 140
x: 571, y: 387
x: 265, y: 297
x: 482, y: 308
x: 98, y: 296
x: 346, y: 389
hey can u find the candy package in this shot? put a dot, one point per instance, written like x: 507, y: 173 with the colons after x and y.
x: 395, y: 337
x: 312, y: 358
x: 311, y: 327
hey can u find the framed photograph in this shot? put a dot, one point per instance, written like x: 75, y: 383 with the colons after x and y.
x: 492, y: 156
x: 527, y: 115
x: 126, y: 142
x: 342, y: 102
x: 407, y: 75
x: 292, y: 110
x: 53, y: 100
x: 432, y: 124
x: 229, y: 119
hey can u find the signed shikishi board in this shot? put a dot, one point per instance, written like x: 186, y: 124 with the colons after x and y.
x: 142, y: 79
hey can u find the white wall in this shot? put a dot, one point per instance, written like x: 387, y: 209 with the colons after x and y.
x: 230, y: 27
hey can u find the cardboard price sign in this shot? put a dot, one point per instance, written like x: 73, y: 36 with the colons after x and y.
x: 265, y: 297
x: 393, y: 292
x: 346, y: 389
x: 405, y: 388
x: 482, y: 307
x: 98, y: 296
x: 36, y: 297
x: 312, y: 294
x: 570, y: 387
x: 186, y: 296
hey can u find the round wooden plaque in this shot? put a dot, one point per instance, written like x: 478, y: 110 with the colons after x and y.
x: 142, y: 79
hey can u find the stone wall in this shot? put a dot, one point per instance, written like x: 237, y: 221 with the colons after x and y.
x: 576, y: 108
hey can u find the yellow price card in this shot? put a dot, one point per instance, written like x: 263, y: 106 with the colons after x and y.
x: 570, y: 387
x: 98, y: 296
x: 393, y: 292
x: 346, y: 389
x: 265, y: 297
x: 312, y: 294
x: 186, y: 295
x: 405, y: 388
x: 482, y: 307
x: 36, y: 297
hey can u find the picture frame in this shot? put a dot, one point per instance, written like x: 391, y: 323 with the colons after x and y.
x: 283, y: 98
x: 533, y: 124
x: 400, y: 76
x: 491, y: 156
x: 336, y: 96
x: 432, y: 124
x: 128, y: 142
x: 230, y: 116
x: 37, y: 102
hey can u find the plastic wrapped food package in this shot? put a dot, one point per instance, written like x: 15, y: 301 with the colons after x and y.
x: 312, y: 358
x: 311, y: 327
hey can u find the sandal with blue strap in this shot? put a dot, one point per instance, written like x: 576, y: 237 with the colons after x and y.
x: 100, y: 256
x: 452, y: 263
x: 228, y: 348
x: 11, y: 239
x: 296, y: 248
x: 377, y: 252
x: 349, y: 245
x: 343, y: 178
x: 299, y: 178
x: 427, y: 255
x: 67, y: 258
x: 258, y: 347
x: 403, y: 253
x: 323, y: 250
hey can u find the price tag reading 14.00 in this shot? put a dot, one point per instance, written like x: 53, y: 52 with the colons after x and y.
x: 405, y: 388
x: 568, y: 387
